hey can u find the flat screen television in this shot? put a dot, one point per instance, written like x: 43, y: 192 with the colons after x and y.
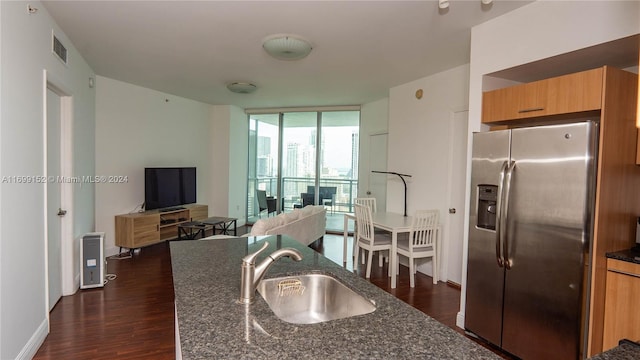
x: 169, y: 187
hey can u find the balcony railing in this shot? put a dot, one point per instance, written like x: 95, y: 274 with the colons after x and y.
x: 293, y: 187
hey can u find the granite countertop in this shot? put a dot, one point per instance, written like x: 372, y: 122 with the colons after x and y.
x: 212, y: 323
x: 631, y: 255
x: 627, y: 350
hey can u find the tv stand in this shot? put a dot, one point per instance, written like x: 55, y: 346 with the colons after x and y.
x: 150, y: 227
x: 170, y: 209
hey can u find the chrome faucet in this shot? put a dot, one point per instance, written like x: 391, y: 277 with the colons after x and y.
x: 252, y: 274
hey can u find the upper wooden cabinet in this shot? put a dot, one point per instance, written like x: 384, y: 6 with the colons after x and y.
x: 566, y: 94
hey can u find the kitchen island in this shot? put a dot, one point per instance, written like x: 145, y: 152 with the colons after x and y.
x: 212, y: 324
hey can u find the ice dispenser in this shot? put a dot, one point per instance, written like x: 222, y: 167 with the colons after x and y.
x: 487, y: 197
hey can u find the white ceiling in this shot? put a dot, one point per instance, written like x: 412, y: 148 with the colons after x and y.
x: 194, y: 48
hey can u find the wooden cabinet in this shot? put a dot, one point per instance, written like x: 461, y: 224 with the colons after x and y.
x: 638, y: 144
x: 141, y: 229
x: 621, y: 315
x: 566, y: 94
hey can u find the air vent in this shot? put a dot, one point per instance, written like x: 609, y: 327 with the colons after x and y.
x: 59, y: 49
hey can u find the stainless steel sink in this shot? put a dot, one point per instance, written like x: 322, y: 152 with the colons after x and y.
x: 312, y: 298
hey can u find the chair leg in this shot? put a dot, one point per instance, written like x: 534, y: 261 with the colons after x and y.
x: 355, y: 244
x: 356, y: 250
x: 370, y: 256
x: 435, y: 270
x: 412, y: 274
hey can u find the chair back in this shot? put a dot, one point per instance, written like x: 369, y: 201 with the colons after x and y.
x: 262, y: 199
x: 364, y: 222
x: 369, y: 202
x: 424, y: 228
x: 307, y: 199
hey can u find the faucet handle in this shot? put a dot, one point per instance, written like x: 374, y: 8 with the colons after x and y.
x: 251, y: 258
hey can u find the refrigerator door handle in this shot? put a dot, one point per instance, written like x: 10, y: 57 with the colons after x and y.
x: 507, y: 192
x: 499, y: 216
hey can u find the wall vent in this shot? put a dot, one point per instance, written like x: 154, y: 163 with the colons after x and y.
x: 59, y: 49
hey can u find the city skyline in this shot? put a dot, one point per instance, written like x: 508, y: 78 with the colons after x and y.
x: 299, y: 152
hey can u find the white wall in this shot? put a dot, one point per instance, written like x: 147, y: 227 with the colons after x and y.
x: 136, y: 128
x: 228, y: 161
x: 374, y: 119
x: 538, y: 31
x: 25, y: 43
x: 238, y: 169
x: 419, y: 133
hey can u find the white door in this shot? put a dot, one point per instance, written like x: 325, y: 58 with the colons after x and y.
x: 378, y: 161
x: 53, y: 197
x: 457, y: 188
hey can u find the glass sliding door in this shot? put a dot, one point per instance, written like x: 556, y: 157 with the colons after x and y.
x: 339, y: 144
x: 263, y: 159
x: 299, y: 154
x: 304, y: 157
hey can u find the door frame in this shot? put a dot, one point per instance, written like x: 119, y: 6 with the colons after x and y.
x: 445, y: 238
x: 54, y: 84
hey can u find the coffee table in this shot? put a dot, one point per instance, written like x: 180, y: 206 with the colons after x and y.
x: 223, y: 224
x: 190, y: 230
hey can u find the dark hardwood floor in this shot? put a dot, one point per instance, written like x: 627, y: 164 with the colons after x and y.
x: 132, y: 317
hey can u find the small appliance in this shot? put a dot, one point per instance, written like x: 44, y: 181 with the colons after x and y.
x: 92, y: 260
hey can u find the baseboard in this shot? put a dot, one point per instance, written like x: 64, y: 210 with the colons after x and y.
x: 31, y: 347
x: 454, y: 285
x: 460, y: 320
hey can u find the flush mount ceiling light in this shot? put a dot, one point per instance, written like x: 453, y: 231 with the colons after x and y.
x: 443, y: 4
x: 241, y: 87
x: 287, y: 47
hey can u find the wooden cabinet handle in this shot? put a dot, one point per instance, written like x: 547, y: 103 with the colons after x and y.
x: 530, y: 110
x: 624, y: 273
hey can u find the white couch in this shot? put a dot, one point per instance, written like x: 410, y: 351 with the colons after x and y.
x: 305, y: 225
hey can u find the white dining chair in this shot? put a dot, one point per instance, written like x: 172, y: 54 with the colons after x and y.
x: 421, y: 242
x: 371, y: 203
x: 367, y: 238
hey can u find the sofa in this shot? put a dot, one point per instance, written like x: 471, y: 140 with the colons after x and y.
x: 305, y: 225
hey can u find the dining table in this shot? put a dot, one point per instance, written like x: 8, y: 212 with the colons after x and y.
x: 392, y: 222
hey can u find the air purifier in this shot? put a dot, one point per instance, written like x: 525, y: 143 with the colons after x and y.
x: 92, y: 260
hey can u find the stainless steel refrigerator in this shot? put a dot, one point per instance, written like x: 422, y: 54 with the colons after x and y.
x: 530, y: 229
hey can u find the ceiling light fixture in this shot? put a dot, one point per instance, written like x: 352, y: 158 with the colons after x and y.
x: 241, y: 87
x: 486, y: 2
x: 443, y: 4
x: 287, y: 47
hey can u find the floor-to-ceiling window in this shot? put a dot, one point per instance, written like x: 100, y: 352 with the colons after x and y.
x: 263, y: 158
x: 299, y: 158
x: 304, y: 157
x: 339, y: 144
